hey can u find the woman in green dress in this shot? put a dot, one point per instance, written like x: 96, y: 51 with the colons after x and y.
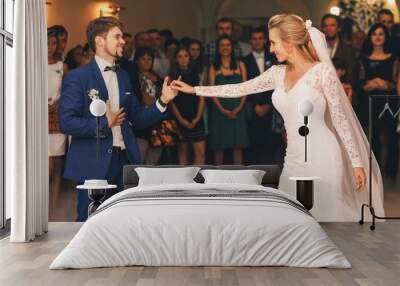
x: 227, y: 122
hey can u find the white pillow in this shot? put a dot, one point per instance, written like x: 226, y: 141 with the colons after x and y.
x: 164, y: 176
x: 248, y: 177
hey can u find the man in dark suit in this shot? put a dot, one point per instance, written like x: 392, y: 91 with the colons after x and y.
x: 386, y: 17
x: 331, y: 26
x: 259, y: 106
x: 102, y: 78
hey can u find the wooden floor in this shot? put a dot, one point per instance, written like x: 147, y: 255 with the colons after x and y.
x: 374, y: 255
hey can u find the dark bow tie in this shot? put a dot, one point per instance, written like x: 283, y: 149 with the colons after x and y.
x: 111, y: 68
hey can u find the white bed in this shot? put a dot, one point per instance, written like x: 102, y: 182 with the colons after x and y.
x: 247, y: 226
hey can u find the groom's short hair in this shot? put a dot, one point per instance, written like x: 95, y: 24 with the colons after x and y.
x: 100, y: 27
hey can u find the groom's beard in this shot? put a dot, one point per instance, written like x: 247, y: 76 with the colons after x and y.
x: 113, y: 54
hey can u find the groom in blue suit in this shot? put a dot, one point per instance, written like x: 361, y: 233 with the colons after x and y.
x: 104, y: 79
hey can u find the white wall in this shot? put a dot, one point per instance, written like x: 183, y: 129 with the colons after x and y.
x: 177, y: 15
x: 74, y: 16
x: 195, y: 18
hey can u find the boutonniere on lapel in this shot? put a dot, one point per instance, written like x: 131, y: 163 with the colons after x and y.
x: 93, y: 94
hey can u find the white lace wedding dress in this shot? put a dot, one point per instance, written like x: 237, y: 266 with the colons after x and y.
x: 325, y: 158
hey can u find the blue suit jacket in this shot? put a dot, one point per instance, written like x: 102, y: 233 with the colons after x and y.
x: 76, y: 120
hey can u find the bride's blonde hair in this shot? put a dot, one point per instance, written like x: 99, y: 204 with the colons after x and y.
x: 292, y: 29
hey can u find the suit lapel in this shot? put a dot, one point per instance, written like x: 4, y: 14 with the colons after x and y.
x: 269, y: 60
x: 121, y: 87
x: 338, y: 52
x: 255, y: 65
x: 100, y: 80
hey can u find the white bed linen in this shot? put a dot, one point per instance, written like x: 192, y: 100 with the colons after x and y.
x: 200, y: 231
x: 162, y: 176
x: 248, y: 177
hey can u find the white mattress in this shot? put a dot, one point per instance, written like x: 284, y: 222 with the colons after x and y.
x: 200, y: 231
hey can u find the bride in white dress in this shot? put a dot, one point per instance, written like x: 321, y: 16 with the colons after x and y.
x: 338, y: 151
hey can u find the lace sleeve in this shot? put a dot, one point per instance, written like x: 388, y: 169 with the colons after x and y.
x: 264, y: 82
x: 331, y: 87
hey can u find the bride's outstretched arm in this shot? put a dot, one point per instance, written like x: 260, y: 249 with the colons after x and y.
x: 264, y: 82
x: 331, y: 87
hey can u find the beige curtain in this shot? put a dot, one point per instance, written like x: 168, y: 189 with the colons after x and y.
x: 26, y: 124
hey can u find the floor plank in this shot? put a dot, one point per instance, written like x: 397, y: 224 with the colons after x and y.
x: 375, y: 257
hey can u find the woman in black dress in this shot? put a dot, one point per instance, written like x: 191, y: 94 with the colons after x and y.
x: 197, y: 58
x: 147, y: 87
x: 188, y: 111
x: 378, y: 73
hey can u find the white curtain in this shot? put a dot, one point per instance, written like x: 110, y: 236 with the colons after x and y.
x: 27, y: 124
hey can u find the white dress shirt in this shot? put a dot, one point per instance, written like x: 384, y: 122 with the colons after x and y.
x: 111, y: 81
x: 260, y: 60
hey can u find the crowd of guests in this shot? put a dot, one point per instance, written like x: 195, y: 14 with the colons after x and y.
x: 246, y: 130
